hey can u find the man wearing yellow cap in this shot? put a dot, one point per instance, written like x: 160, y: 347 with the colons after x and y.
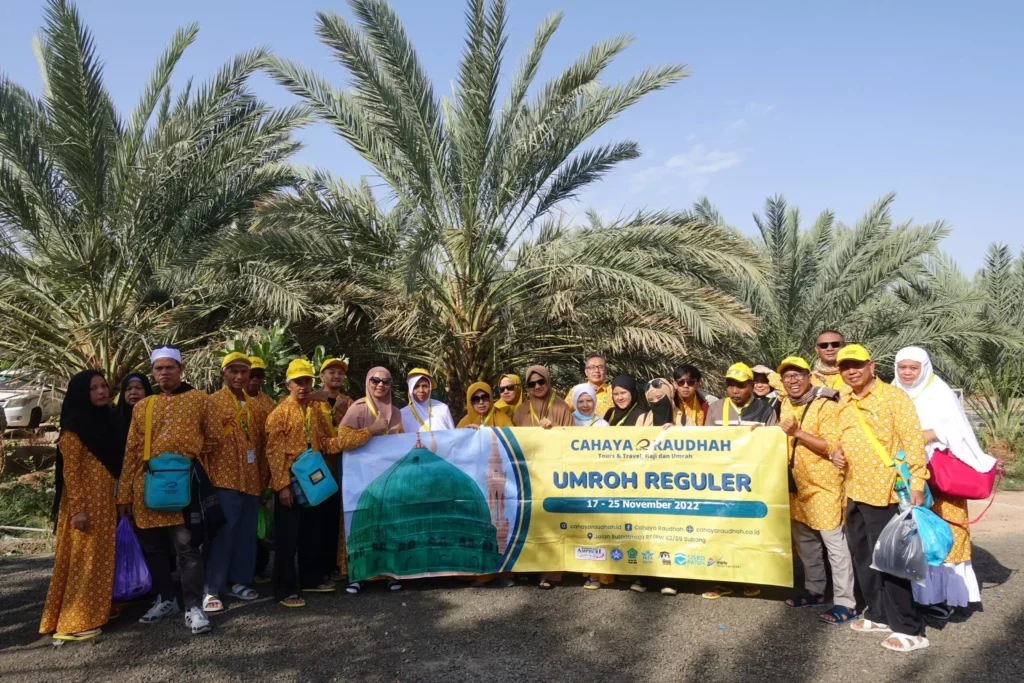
x: 257, y: 375
x: 739, y: 406
x: 816, y: 491
x: 295, y: 426
x: 332, y: 379
x: 424, y: 414
x: 878, y: 424
x: 262, y: 406
x: 234, y: 463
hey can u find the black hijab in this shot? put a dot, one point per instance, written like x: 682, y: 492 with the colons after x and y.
x: 124, y: 411
x: 95, y: 426
x: 616, y: 416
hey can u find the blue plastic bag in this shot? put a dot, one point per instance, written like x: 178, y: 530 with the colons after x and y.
x: 131, y: 575
x: 936, y: 535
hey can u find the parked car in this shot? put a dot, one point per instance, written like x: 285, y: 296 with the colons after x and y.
x: 27, y: 398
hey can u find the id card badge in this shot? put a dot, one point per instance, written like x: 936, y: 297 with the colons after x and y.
x: 250, y: 456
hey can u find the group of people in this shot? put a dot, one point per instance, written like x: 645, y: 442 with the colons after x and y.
x: 843, y: 426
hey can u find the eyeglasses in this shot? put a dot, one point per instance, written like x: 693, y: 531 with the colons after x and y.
x: 597, y: 367
x: 536, y: 383
x: 792, y: 376
x: 687, y: 382
x: 479, y: 398
x: 380, y: 380
x: 507, y: 388
x: 830, y: 345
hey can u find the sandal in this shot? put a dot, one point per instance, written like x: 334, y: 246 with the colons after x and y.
x: 939, y: 612
x: 869, y: 626
x: 115, y: 612
x: 394, y: 585
x: 545, y: 585
x: 592, y: 585
x: 243, y: 592
x: 907, y: 643
x: 293, y: 601
x: 262, y: 578
x: 838, y: 615
x: 212, y: 604
x: 322, y: 588
x: 806, y: 599
x: 81, y: 635
x: 716, y: 592
x: 669, y: 591
x: 751, y: 591
x: 354, y: 588
x: 638, y: 587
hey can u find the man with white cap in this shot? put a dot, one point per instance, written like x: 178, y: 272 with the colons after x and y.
x: 236, y: 467
x: 174, y: 421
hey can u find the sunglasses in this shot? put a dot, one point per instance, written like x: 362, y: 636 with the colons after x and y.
x: 479, y: 398
x: 687, y: 382
x: 507, y: 388
x: 830, y: 345
x: 536, y: 383
x: 656, y: 383
x: 378, y: 380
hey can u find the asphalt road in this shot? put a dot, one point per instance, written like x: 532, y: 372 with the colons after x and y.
x: 446, y: 631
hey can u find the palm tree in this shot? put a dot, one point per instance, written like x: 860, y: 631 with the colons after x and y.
x: 114, y: 230
x: 874, y: 281
x: 475, y: 269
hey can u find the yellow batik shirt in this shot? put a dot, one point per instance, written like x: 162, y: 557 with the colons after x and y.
x: 291, y: 430
x: 181, y: 425
x: 890, y: 414
x: 819, y: 499
x: 235, y: 458
x: 695, y: 415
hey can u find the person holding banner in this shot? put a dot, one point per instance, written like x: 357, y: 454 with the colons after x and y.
x: 174, y: 422
x: 739, y: 408
x: 236, y: 467
x: 424, y: 414
x: 876, y: 421
x: 482, y: 411
x: 663, y: 411
x: 510, y: 395
x: 294, y: 427
x: 375, y: 405
x: 953, y: 583
x: 816, y: 491
x: 584, y: 403
x: 689, y: 397
x: 625, y: 410
x: 542, y: 408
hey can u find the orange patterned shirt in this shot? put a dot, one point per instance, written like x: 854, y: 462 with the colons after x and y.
x: 695, y: 415
x: 890, y: 414
x: 819, y: 499
x: 291, y: 430
x: 334, y: 415
x: 181, y: 424
x: 234, y: 460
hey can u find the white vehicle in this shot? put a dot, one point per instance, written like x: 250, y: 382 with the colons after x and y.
x: 27, y: 398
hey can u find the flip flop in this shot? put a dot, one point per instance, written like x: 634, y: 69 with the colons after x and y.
x: 322, y: 588
x: 751, y: 591
x: 717, y: 592
x: 293, y: 602
x: 75, y: 637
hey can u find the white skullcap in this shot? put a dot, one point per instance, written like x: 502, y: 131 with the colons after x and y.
x: 165, y: 352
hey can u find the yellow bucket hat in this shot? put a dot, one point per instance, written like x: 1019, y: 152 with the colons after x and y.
x: 300, y: 367
x: 257, y: 363
x: 793, y: 362
x: 740, y: 372
x: 235, y: 357
x: 420, y: 372
x: 330, y: 360
x: 853, y: 352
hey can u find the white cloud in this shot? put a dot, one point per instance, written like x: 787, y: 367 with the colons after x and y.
x: 738, y: 124
x: 695, y: 166
x: 761, y: 108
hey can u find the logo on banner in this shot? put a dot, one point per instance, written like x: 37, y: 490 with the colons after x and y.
x: 631, y: 554
x: 648, y: 557
x: 616, y: 555
x: 680, y: 559
x: 585, y: 553
x: 665, y: 558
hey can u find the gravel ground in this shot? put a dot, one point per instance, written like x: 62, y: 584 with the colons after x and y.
x: 446, y: 631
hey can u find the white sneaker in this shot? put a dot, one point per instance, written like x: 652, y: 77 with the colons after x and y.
x: 197, y: 621
x: 159, y: 610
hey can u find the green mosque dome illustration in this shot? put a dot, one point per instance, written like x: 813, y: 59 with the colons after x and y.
x: 422, y: 515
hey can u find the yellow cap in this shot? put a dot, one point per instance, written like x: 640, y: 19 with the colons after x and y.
x: 853, y: 352
x: 740, y: 372
x: 300, y: 367
x: 422, y: 373
x: 793, y: 362
x: 330, y: 360
x: 235, y: 357
x: 257, y: 363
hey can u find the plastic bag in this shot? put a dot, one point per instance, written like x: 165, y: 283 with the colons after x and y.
x: 263, y: 523
x: 131, y: 575
x: 899, y: 551
x: 936, y: 535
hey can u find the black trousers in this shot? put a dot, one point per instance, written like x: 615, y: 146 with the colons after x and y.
x: 302, y: 533
x: 332, y: 526
x: 154, y: 543
x: 889, y: 598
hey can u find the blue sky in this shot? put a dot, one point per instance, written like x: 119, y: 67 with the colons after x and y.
x: 831, y: 104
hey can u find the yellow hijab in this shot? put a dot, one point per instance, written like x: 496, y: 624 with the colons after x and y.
x: 495, y: 418
x: 510, y: 408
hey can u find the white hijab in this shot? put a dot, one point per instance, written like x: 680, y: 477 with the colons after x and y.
x: 939, y: 410
x: 578, y: 419
x: 434, y: 414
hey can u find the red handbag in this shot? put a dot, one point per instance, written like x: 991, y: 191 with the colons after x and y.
x: 957, y: 479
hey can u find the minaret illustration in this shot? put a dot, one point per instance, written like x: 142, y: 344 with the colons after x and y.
x: 495, y: 480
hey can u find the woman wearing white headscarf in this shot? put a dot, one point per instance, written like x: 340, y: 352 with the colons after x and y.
x: 424, y: 414
x: 584, y: 407
x: 945, y: 425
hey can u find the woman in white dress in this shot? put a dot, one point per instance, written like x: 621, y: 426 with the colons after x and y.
x: 424, y: 414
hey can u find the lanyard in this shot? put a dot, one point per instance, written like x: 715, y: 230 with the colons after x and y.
x: 306, y: 426
x: 533, y: 416
x: 628, y: 413
x: 373, y: 411
x: 725, y: 411
x: 328, y: 412
x: 242, y: 419
x: 430, y: 412
x: 923, y: 389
